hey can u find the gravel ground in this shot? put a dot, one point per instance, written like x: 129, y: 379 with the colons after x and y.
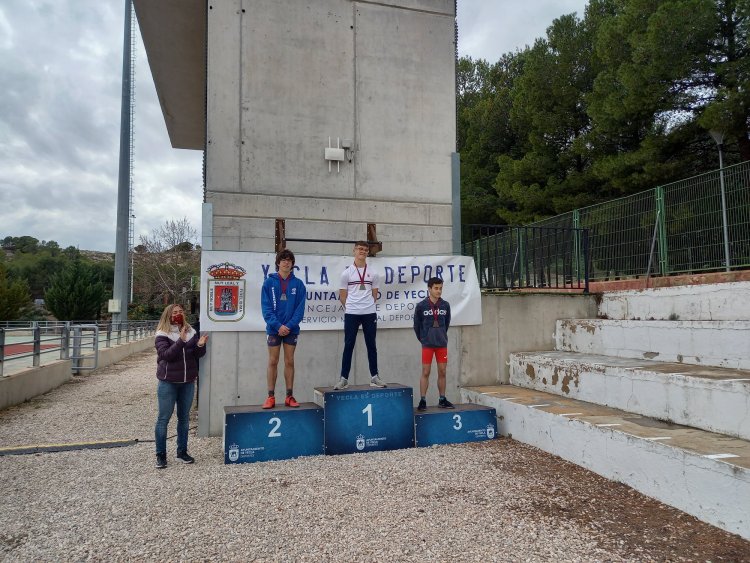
x: 491, y: 501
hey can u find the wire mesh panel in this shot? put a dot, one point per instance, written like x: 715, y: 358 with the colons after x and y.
x: 695, y: 224
x: 622, y: 232
x: 530, y: 257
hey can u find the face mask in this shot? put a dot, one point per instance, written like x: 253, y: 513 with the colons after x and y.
x: 177, y: 319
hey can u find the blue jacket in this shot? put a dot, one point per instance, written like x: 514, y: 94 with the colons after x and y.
x: 277, y: 312
x: 429, y: 335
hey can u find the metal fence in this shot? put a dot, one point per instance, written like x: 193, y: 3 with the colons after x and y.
x: 529, y: 257
x: 699, y: 224
x: 78, y: 341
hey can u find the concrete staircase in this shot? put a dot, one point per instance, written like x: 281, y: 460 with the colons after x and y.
x: 655, y: 394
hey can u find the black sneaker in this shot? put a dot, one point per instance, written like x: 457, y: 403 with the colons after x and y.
x: 161, y: 461
x: 445, y: 404
x: 184, y: 457
x: 422, y: 405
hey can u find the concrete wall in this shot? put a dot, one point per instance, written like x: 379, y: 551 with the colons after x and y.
x: 515, y: 322
x: 282, y: 77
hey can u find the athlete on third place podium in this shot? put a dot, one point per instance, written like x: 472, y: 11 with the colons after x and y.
x: 432, y: 317
x: 359, y: 289
x: 282, y: 299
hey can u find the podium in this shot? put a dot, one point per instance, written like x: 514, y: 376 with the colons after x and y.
x: 253, y: 434
x: 465, y: 423
x: 361, y: 418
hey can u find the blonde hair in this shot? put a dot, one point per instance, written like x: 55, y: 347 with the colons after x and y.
x: 165, y: 322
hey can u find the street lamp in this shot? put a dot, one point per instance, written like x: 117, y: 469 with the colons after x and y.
x: 718, y: 136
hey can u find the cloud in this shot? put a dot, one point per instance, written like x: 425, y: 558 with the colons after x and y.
x: 60, y: 128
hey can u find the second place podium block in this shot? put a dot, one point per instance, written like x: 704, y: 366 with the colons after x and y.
x: 254, y: 434
x: 361, y: 418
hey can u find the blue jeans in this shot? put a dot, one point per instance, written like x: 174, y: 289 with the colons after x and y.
x: 369, y: 328
x: 170, y: 394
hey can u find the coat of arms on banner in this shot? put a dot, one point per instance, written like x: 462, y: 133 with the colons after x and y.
x: 226, y: 292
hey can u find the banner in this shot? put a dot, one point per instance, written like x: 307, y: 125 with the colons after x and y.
x: 231, y: 283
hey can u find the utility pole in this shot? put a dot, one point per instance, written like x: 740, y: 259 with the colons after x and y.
x: 119, y: 303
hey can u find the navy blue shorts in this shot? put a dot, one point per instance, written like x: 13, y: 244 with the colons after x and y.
x: 276, y: 340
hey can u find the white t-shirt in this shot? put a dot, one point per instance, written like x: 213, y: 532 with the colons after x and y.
x: 359, y: 301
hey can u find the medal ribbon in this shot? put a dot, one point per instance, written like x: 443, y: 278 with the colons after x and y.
x: 434, y: 308
x: 284, y: 283
x: 361, y: 276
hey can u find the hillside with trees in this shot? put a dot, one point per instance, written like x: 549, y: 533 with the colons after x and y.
x: 76, y: 284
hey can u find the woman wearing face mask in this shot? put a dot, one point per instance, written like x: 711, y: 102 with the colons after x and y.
x: 178, y: 349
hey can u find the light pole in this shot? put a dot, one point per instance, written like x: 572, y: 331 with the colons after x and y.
x: 718, y: 136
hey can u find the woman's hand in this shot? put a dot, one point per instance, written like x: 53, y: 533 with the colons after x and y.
x: 184, y: 334
x: 202, y: 340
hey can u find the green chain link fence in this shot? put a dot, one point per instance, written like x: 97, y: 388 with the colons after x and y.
x: 671, y: 229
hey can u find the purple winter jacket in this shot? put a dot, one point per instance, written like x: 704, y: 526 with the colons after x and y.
x: 177, y: 361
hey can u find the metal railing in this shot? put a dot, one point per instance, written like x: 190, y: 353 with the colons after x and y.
x: 78, y: 341
x: 529, y: 257
x: 672, y: 229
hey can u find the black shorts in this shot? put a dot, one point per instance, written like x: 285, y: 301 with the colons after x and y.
x: 276, y: 340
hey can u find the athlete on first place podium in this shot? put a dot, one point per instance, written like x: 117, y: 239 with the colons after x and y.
x: 358, y: 290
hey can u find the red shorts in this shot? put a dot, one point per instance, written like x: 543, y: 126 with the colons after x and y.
x: 440, y: 354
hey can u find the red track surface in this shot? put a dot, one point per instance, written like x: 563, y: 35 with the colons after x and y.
x: 15, y: 349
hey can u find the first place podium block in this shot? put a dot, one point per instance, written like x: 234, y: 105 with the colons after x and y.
x: 361, y: 418
x: 465, y: 423
x: 254, y: 434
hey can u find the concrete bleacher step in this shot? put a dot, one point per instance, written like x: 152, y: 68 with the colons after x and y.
x: 707, y: 343
x: 704, y: 474
x: 714, y: 302
x: 705, y: 397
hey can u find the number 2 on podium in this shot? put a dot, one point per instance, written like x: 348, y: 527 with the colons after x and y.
x: 274, y: 431
x: 368, y: 411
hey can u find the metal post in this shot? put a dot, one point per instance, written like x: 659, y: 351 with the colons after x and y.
x: 725, y: 224
x: 37, y: 345
x: 120, y: 290
x: 2, y: 350
x: 65, y: 341
x: 76, y: 349
x: 718, y: 136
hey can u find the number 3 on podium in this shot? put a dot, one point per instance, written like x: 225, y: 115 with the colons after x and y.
x: 457, y: 419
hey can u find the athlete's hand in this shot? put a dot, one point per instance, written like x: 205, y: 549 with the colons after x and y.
x: 284, y: 330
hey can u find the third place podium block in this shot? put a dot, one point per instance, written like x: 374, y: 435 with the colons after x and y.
x: 465, y: 423
x: 361, y: 418
x: 254, y: 434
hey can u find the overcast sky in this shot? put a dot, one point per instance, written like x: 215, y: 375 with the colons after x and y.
x: 61, y: 70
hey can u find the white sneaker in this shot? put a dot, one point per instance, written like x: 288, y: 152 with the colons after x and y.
x: 375, y: 381
x: 342, y: 384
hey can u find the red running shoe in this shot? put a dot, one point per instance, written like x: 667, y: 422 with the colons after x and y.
x: 291, y: 402
x: 270, y: 403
